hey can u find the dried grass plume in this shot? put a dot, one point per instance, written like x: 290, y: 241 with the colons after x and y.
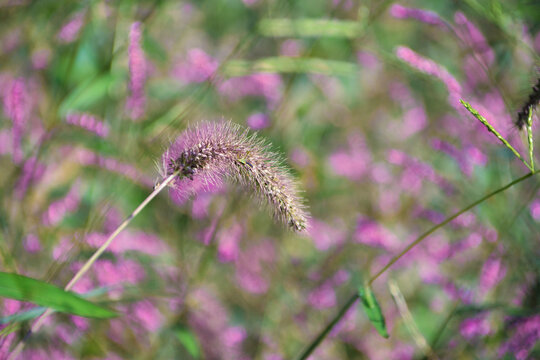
x: 208, y: 152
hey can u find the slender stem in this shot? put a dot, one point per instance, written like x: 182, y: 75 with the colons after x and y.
x: 313, y: 345
x: 84, y: 269
x: 530, y: 138
x: 492, y: 130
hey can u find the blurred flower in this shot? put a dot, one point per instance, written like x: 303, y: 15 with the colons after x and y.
x: 493, y: 272
x: 41, y: 58
x: 325, y: 236
x: 16, y: 104
x: 425, y: 16
x: 474, y: 327
x: 148, y: 316
x: 258, y: 121
x: 88, y: 122
x: 525, y: 336
x: 369, y: 232
x: 70, y: 30
x: 290, y: 47
x: 32, y: 244
x: 470, y: 34
x: 352, y: 163
x: 322, y: 297
x: 251, y: 272
x: 89, y: 158
x: 535, y: 209
x: 32, y: 171
x: 197, y: 68
x: 130, y: 240
x: 265, y: 85
x: 137, y: 73
x: 58, y: 209
x: 228, y: 241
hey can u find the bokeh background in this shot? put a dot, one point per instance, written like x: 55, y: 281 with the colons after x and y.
x: 360, y: 98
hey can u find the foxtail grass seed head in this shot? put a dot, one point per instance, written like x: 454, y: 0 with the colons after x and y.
x: 532, y: 102
x: 208, y: 152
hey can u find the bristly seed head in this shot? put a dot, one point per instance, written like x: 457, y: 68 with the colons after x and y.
x: 210, y: 151
x: 532, y: 102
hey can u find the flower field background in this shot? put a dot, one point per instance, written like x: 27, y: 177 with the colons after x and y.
x: 359, y: 100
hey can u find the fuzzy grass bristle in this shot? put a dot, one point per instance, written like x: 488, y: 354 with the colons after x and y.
x: 208, y: 152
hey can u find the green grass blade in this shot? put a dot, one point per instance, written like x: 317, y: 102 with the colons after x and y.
x: 373, y: 310
x: 309, y: 28
x: 289, y: 65
x: 23, y: 288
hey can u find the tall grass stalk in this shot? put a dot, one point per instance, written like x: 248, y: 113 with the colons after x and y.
x: 352, y: 299
x: 84, y: 269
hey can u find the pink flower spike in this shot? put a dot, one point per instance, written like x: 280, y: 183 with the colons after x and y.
x: 88, y: 122
x: 137, y: 73
x: 69, y: 32
x: 425, y: 16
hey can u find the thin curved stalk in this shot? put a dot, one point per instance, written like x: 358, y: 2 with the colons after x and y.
x: 352, y: 299
x: 84, y: 269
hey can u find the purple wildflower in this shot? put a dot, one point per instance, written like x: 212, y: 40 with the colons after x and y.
x: 211, y: 151
x: 198, y: 67
x: 139, y: 241
x: 425, y: 16
x: 88, y: 122
x: 16, y: 108
x: 69, y: 31
x: 137, y: 73
x: 148, y: 316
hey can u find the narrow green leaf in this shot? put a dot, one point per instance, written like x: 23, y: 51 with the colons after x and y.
x: 23, y: 288
x: 286, y: 64
x: 189, y: 341
x: 373, y: 310
x: 492, y: 130
x: 309, y: 28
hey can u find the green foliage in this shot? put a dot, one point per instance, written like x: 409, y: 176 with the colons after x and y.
x: 23, y: 288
